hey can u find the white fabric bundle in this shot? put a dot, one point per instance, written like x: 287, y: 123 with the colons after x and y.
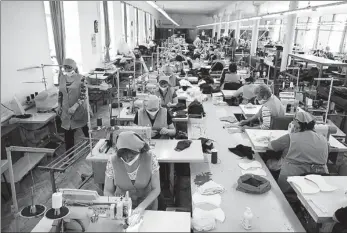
x: 204, y: 224
x: 217, y: 214
x: 215, y: 199
x: 211, y: 188
x: 185, y: 83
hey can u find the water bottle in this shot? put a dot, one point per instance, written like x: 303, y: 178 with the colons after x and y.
x: 247, y: 219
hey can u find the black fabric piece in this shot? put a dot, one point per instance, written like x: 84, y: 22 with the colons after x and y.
x: 270, y: 154
x: 181, y: 114
x: 196, y: 108
x: 63, y: 212
x: 40, y: 209
x: 181, y: 135
x: 243, y: 151
x: 341, y: 216
x: 206, y: 89
x: 232, y: 86
x: 218, y: 66
x: 115, y: 105
x: 182, y: 145
x: 178, y: 107
x: 339, y: 228
x: 253, y: 184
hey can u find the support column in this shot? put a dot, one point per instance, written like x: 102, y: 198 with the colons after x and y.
x: 290, y: 32
x: 214, y: 26
x: 227, y: 25
x: 255, y: 33
x: 238, y: 26
x: 219, y: 28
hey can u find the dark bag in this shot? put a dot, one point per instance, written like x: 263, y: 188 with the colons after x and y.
x: 207, y: 144
x: 253, y: 184
x: 196, y: 108
x: 206, y: 89
x: 178, y: 107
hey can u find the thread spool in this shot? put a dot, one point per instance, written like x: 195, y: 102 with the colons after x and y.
x: 133, y: 93
x: 28, y: 98
x: 214, y: 156
x: 57, y: 200
x: 36, y: 93
x: 99, y: 122
x: 125, y: 93
x: 32, y: 96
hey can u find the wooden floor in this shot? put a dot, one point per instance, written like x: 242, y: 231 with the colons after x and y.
x: 70, y: 179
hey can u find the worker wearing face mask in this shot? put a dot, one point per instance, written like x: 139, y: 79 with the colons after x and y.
x: 134, y: 169
x: 72, y: 105
x: 272, y: 107
x: 168, y: 71
x: 156, y: 117
x: 166, y: 93
x: 305, y: 151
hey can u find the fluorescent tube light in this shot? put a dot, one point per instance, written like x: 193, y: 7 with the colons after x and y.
x: 270, y: 15
x: 162, y: 12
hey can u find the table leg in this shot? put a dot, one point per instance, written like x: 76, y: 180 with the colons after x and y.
x: 172, y: 177
x: 7, y: 186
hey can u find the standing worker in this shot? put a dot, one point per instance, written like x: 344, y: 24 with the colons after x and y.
x: 233, y: 46
x: 72, y: 105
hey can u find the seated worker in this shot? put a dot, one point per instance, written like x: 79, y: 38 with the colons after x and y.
x: 230, y: 76
x: 197, y: 42
x: 329, y: 54
x: 134, y: 168
x: 157, y: 117
x: 272, y: 107
x: 305, y: 151
x: 196, y: 54
x: 247, y: 91
x: 215, y: 56
x: 166, y: 93
x: 168, y: 71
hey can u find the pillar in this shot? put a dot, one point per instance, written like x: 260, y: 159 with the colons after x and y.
x: 214, y: 26
x: 227, y: 25
x: 290, y: 32
x: 255, y: 32
x: 219, y: 28
x: 238, y: 26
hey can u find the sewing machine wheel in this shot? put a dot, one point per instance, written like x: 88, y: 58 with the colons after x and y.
x: 64, y: 211
x: 25, y: 212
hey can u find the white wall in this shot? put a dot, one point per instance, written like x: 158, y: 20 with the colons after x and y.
x: 24, y: 43
x: 88, y: 12
x: 186, y: 20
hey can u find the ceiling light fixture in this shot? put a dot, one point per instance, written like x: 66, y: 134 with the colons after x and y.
x: 155, y: 6
x: 283, y: 13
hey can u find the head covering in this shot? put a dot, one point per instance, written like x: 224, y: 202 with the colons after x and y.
x: 164, y: 78
x: 129, y: 140
x: 70, y: 62
x: 167, y: 69
x: 303, y: 117
x: 153, y: 102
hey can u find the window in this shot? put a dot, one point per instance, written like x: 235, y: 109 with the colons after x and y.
x: 72, y: 33
x: 51, y: 43
x: 148, y: 26
x: 337, y: 33
x: 277, y: 30
x: 111, y: 23
x: 102, y: 30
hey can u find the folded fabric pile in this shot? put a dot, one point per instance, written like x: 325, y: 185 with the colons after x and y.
x: 243, y: 151
x: 211, y: 188
x: 182, y: 145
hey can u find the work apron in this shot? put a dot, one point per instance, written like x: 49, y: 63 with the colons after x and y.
x: 165, y: 98
x: 160, y: 120
x: 308, y: 153
x: 71, y: 92
x: 138, y: 189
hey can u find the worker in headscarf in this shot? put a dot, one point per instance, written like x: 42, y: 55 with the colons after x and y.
x: 72, y: 105
x: 197, y: 42
x: 247, y: 91
x: 271, y: 107
x: 166, y: 93
x: 134, y: 169
x: 168, y: 71
x: 153, y: 115
x: 304, y: 150
x: 230, y: 75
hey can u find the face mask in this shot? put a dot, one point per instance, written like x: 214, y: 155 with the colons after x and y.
x: 163, y: 89
x: 71, y: 73
x: 132, y: 161
x: 152, y: 113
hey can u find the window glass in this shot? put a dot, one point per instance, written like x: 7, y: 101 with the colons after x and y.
x: 112, y: 30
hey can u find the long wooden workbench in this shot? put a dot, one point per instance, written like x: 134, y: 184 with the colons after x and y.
x: 272, y: 212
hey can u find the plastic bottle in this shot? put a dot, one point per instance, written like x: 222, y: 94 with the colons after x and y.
x: 247, y: 219
x: 127, y: 205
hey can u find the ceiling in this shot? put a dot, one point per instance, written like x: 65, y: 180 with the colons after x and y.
x: 192, y: 7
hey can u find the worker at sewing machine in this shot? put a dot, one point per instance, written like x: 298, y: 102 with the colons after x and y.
x: 247, y: 91
x: 229, y: 76
x: 168, y: 71
x: 134, y: 168
x: 72, y: 105
x: 271, y: 107
x: 166, y: 93
x: 304, y: 150
x: 153, y: 115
